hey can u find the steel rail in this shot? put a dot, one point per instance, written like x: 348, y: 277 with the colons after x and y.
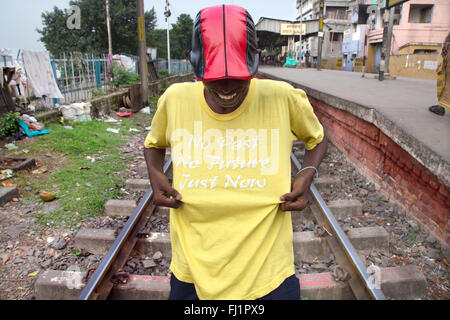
x: 342, y: 240
x: 100, y: 285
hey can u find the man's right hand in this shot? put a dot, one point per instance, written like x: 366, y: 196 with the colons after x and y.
x: 163, y: 194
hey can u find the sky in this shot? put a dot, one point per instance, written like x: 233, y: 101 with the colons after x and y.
x: 19, y: 19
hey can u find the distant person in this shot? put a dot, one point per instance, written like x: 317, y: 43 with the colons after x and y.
x: 231, y: 136
x: 443, y: 85
x: 307, y: 59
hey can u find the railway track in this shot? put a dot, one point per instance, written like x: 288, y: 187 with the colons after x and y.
x: 349, y: 279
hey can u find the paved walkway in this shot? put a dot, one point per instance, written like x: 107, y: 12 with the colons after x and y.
x: 404, y: 101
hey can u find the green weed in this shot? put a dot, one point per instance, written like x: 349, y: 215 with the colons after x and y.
x: 93, y: 171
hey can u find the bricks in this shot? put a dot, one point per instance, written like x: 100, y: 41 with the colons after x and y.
x: 142, y: 168
x: 321, y: 286
x: 443, y: 190
x: 369, y: 237
x: 142, y: 287
x: 120, y: 207
x: 396, y: 283
x: 341, y: 209
x: 57, y: 285
x: 324, y: 182
x: 345, y: 208
x: 157, y: 241
x: 52, y: 285
x: 306, y: 244
x: 96, y: 241
x: 388, y: 164
x: 434, y: 184
x: 403, y: 282
x: 7, y: 193
x: 138, y: 184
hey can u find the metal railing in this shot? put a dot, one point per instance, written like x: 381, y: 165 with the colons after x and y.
x: 178, y: 67
x: 77, y: 73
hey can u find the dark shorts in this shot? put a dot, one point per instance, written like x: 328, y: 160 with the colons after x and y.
x: 288, y: 290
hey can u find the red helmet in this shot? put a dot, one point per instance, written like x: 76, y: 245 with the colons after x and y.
x: 224, y: 44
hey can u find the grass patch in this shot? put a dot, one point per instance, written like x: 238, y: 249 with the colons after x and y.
x: 85, y: 168
x: 412, y: 236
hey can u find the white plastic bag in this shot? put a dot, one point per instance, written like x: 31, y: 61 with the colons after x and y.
x: 77, y: 111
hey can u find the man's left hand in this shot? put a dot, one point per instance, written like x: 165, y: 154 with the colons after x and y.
x: 297, y: 199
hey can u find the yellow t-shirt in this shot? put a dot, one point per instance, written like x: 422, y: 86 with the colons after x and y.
x: 230, y: 237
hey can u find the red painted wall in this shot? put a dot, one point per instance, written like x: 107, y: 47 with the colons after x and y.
x: 397, y: 173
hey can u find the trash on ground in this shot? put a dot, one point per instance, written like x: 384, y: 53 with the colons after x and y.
x: 112, y: 130
x: 19, y: 135
x: 145, y: 110
x: 40, y: 170
x: 68, y: 127
x: 77, y: 111
x: 125, y: 114
x: 11, y: 146
x: 47, y: 196
x: 6, y: 174
x: 290, y: 62
x: 32, y: 130
x: 133, y: 130
x: 8, y: 184
x: 28, y: 118
x: 110, y: 120
x: 50, y: 239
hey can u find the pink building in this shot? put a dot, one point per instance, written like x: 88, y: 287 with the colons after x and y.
x: 420, y: 27
x: 421, y: 22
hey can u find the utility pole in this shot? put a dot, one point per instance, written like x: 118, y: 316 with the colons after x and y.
x: 167, y: 14
x: 108, y: 28
x: 389, y: 39
x: 142, y: 52
x: 301, y: 29
x: 320, y: 34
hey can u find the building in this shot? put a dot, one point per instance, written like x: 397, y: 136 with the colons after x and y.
x: 420, y: 26
x: 421, y: 22
x: 335, y: 22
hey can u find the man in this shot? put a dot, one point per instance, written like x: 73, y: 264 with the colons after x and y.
x: 231, y: 136
x: 443, y: 86
x: 307, y: 59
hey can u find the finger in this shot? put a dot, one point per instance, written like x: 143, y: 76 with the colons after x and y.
x: 291, y: 196
x: 298, y: 205
x: 167, y: 202
x: 173, y: 193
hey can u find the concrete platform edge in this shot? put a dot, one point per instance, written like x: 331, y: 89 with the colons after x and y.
x: 424, y: 155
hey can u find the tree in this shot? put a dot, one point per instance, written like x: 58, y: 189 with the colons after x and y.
x: 181, y: 37
x: 92, y: 36
x: 157, y: 38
